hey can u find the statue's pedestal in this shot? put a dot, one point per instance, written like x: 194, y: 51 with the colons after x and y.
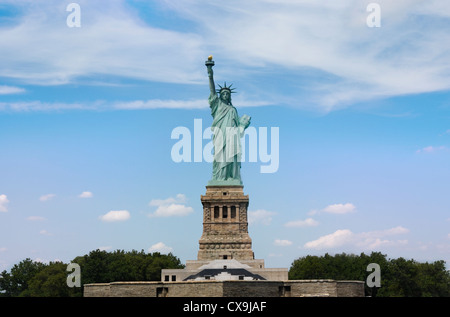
x: 225, y: 225
x: 227, y: 183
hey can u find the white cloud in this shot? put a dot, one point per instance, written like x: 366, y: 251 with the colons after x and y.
x: 364, y: 240
x: 355, y: 63
x: 86, y: 195
x: 7, y: 90
x: 46, y: 197
x: 181, y: 104
x: 171, y: 207
x: 172, y: 210
x: 46, y: 261
x: 392, y: 231
x: 158, y: 104
x: 260, y: 216
x: 335, y: 209
x: 332, y: 240
x: 115, y: 215
x: 349, y: 61
x: 3, y: 202
x: 23, y: 106
x: 36, y: 106
x: 179, y: 198
x: 282, y: 243
x: 112, y: 41
x: 431, y: 149
x: 3, y: 249
x: 35, y: 218
x: 339, y: 208
x: 40, y: 106
x: 45, y: 233
x: 309, y: 222
x: 160, y: 247
x: 105, y: 248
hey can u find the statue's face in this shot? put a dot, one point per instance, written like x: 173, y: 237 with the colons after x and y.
x: 225, y: 96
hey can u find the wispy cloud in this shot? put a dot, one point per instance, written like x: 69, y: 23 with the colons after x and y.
x: 100, y: 105
x: 172, y: 206
x: 158, y: 104
x: 349, y: 61
x: 86, y: 195
x: 336, y: 209
x: 3, y: 203
x: 160, y: 247
x: 46, y: 197
x: 309, y: 222
x: 432, y: 149
x: 282, y: 243
x: 115, y: 216
x: 182, y: 104
x: 28, y: 106
x: 112, y: 41
x: 179, y: 198
x: 261, y: 216
x: 8, y: 90
x: 35, y: 218
x: 365, y: 240
x: 339, y: 208
x: 326, y: 54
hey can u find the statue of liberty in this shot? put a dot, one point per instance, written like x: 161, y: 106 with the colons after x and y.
x: 227, y: 128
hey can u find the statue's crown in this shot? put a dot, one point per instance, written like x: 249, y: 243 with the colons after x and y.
x: 226, y: 88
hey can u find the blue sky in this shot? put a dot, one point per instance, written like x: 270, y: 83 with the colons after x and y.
x: 86, y: 116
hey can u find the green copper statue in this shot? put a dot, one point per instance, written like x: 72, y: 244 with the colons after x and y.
x: 227, y: 129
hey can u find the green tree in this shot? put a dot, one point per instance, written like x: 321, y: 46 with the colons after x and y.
x: 16, y: 282
x: 399, y: 277
x: 94, y: 267
x: 30, y: 278
x: 308, y: 267
x: 434, y: 279
x: 105, y: 267
x: 160, y: 261
x: 51, y: 281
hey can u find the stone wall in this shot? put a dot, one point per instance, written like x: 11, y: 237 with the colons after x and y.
x: 251, y: 288
x: 292, y: 288
x: 348, y: 289
x: 195, y: 289
x: 96, y: 290
x: 316, y: 288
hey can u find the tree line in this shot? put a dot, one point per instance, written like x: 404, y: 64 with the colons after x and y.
x: 398, y: 277
x: 35, y: 279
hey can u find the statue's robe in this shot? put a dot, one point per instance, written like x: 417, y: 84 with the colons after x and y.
x: 226, y: 139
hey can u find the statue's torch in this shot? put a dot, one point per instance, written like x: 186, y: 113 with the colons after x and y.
x: 209, y: 62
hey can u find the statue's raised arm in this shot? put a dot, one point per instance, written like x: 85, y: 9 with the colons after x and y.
x: 209, y: 64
